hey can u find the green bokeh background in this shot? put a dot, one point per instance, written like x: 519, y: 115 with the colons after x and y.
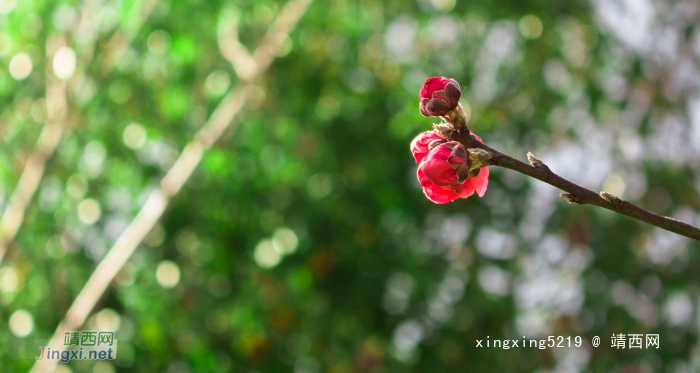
x: 381, y: 279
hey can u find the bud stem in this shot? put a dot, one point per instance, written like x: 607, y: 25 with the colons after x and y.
x: 457, y: 118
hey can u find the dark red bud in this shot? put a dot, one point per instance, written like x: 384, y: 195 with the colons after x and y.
x: 452, y: 94
x: 463, y: 172
x: 437, y: 107
x: 424, y: 112
x: 435, y: 143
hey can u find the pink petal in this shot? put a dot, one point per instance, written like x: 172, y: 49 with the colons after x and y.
x: 436, y: 193
x: 440, y: 152
x: 436, y: 83
x: 419, y: 145
x: 440, y: 196
x: 467, y: 189
x: 456, y: 160
x: 439, y: 171
x: 481, y: 181
x: 422, y: 179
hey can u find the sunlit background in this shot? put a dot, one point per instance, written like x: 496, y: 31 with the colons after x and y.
x: 302, y: 241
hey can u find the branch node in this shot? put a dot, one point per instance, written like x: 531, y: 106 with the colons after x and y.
x: 478, y: 158
x: 457, y: 118
x: 536, y: 162
x: 569, y: 198
x: 617, y: 202
x: 444, y: 129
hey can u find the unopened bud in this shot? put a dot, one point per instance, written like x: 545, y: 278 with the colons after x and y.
x: 536, y: 162
x: 569, y: 198
x: 438, y: 96
x: 479, y: 158
x: 611, y: 198
x: 445, y: 130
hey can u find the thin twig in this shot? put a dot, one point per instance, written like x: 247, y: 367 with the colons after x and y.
x: 58, y: 123
x: 127, y: 31
x: 577, y: 193
x: 173, y: 181
x: 34, y: 168
x: 232, y: 49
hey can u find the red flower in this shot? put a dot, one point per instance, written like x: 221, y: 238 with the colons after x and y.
x: 444, y: 171
x: 446, y: 164
x: 438, y: 96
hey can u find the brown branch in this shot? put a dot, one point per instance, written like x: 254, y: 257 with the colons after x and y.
x: 575, y: 193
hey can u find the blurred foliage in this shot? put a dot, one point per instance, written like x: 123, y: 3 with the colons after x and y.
x: 374, y: 277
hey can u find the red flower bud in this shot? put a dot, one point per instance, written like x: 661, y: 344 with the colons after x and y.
x: 438, y: 96
x: 444, y: 169
x: 446, y: 164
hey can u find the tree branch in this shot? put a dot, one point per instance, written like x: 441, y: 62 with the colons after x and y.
x: 575, y: 193
x: 59, y: 122
x: 221, y: 119
x: 35, y: 165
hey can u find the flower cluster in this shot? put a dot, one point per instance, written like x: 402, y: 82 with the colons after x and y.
x: 444, y: 165
x: 444, y: 169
